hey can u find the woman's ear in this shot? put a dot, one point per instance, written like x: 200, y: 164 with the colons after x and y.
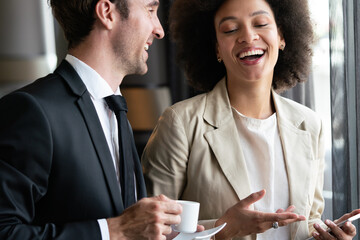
x: 105, y: 12
x: 218, y: 56
x: 282, y: 42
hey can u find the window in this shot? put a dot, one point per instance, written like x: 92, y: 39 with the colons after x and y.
x: 321, y: 84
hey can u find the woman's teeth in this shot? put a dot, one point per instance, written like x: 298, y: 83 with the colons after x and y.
x: 251, y: 53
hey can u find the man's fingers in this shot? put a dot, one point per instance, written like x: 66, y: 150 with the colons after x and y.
x: 163, y: 198
x: 167, y: 205
x: 172, y: 208
x: 171, y: 219
x: 172, y: 235
x: 166, y: 230
x: 162, y: 210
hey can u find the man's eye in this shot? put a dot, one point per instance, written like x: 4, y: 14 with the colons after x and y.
x: 261, y: 25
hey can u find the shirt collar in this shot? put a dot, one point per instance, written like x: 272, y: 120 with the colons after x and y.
x: 95, y: 84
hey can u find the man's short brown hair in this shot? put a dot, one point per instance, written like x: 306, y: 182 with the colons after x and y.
x: 76, y: 17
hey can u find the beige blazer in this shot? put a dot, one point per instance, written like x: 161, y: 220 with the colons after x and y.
x: 194, y: 153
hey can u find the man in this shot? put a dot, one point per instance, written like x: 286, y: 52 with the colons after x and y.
x: 59, y: 152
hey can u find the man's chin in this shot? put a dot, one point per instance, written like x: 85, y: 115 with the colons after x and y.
x: 143, y: 70
x: 140, y: 71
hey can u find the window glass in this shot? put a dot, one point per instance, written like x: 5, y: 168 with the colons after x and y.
x: 321, y: 76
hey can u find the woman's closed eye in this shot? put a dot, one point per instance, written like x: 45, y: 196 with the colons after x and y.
x: 261, y: 25
x: 230, y: 31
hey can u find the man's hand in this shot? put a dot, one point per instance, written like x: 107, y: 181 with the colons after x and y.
x: 149, y: 218
x: 242, y: 221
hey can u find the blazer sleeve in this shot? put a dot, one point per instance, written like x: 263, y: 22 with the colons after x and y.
x: 26, y: 150
x: 165, y: 157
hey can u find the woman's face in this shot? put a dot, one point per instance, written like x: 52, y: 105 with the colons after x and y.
x: 248, y: 40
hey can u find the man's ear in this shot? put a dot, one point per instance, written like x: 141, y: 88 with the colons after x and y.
x: 105, y: 13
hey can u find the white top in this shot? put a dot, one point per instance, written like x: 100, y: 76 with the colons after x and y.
x: 262, y: 149
x: 98, y: 88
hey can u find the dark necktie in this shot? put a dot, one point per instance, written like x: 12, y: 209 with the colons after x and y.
x: 127, y: 160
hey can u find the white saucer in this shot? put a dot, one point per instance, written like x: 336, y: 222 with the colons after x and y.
x: 207, y: 234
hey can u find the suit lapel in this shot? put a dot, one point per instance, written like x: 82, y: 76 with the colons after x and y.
x: 102, y: 149
x: 94, y: 126
x: 297, y: 153
x: 224, y: 141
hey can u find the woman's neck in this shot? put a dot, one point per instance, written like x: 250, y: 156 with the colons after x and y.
x: 253, y: 100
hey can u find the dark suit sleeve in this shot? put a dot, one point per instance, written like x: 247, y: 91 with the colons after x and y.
x: 26, y: 149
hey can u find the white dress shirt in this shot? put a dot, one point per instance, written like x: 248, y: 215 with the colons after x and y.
x: 98, y: 89
x: 262, y: 149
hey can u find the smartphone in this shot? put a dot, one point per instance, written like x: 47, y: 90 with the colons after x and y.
x: 340, y: 224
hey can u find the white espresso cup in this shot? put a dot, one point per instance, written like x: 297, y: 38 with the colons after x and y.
x: 189, y: 217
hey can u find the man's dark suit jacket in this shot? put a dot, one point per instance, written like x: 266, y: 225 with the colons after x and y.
x: 56, y: 173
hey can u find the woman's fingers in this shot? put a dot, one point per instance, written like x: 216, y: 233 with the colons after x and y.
x: 347, y: 215
x: 252, y: 198
x: 346, y: 232
x: 322, y: 233
x: 280, y: 210
x: 291, y: 208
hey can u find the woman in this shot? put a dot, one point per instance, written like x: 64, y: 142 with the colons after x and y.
x: 241, y: 136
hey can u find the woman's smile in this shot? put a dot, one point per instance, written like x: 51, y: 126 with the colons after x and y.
x: 251, y: 56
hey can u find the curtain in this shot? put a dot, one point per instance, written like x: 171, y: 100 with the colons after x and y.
x: 345, y: 101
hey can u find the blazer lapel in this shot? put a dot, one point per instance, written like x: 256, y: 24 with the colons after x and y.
x: 94, y: 126
x: 218, y: 113
x: 295, y: 142
x: 298, y: 156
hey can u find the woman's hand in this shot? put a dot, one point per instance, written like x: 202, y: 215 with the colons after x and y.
x: 346, y: 232
x: 242, y: 221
